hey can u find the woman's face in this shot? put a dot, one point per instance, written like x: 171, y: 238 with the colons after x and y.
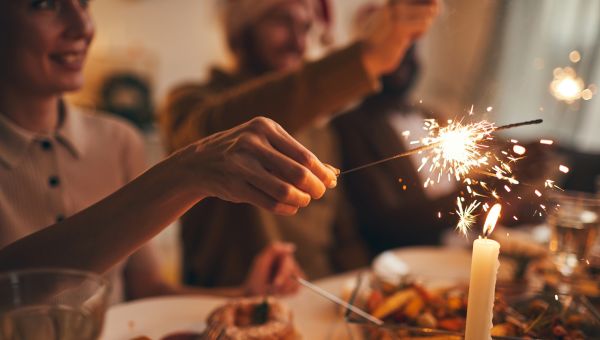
x: 44, y: 44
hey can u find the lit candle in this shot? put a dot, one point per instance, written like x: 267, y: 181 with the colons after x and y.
x: 484, y: 267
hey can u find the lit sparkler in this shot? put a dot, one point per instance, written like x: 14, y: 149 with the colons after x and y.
x: 459, y: 150
x: 448, y: 141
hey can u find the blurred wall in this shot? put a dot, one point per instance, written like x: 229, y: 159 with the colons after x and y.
x: 453, y: 55
x: 170, y: 41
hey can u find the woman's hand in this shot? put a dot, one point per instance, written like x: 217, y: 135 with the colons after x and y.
x: 274, y: 271
x: 258, y: 163
x: 391, y: 29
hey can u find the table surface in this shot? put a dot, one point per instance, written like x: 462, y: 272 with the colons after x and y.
x: 314, y: 317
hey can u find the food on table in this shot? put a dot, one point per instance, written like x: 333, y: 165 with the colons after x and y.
x: 176, y: 336
x: 252, y: 318
x: 414, y: 307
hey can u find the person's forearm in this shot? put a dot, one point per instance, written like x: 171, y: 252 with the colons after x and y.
x: 100, y: 236
x: 295, y: 99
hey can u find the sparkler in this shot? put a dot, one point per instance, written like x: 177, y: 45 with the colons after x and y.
x: 455, y: 147
x: 456, y: 151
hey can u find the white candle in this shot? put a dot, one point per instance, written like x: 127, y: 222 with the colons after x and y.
x: 482, y: 286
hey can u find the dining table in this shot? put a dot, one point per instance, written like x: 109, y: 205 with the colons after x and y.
x: 314, y: 316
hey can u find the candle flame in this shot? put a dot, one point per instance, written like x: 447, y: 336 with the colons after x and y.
x: 492, y: 218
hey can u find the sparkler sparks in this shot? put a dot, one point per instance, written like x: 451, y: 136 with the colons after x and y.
x: 519, y: 150
x: 466, y: 216
x: 465, y: 152
x: 458, y: 148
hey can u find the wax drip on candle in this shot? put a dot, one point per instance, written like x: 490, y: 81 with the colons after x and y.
x: 490, y: 221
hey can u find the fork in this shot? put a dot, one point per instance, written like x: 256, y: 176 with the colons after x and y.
x: 214, y: 333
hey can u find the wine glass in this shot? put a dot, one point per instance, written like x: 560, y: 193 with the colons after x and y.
x: 52, y: 304
x: 574, y: 224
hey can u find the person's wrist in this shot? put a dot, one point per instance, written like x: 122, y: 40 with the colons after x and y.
x: 369, y: 61
x: 181, y: 179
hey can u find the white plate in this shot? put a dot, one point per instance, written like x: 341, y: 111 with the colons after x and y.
x: 158, y: 317
x: 427, y: 264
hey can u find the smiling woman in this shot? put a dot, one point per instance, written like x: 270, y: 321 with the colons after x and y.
x: 44, y: 44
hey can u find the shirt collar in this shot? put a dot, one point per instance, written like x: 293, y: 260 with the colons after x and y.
x: 15, y: 140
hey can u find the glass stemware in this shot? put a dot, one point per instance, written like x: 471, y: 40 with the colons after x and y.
x: 52, y: 304
x: 574, y: 225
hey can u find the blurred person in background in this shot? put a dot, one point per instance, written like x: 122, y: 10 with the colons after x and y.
x: 56, y: 160
x: 268, y: 39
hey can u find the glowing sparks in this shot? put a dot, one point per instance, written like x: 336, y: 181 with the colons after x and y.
x: 466, y: 216
x: 548, y: 183
x: 546, y: 141
x: 563, y: 169
x: 458, y: 148
x: 466, y: 152
x: 519, y: 150
x: 491, y: 219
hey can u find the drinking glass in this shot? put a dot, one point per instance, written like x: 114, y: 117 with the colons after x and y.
x: 574, y: 223
x: 52, y: 304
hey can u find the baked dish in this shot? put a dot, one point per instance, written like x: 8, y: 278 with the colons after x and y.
x: 256, y: 318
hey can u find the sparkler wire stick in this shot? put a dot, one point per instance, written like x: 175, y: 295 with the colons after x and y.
x: 431, y: 146
x: 404, y: 154
x: 339, y: 301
